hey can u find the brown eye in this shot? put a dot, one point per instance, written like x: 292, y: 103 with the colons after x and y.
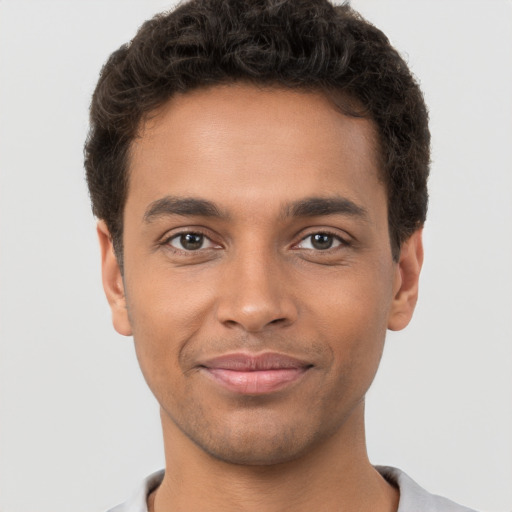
x: 189, y: 241
x: 322, y: 241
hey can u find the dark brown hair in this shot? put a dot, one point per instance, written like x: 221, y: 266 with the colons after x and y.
x: 304, y: 44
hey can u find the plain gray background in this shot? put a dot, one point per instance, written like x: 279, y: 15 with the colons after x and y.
x: 78, y: 427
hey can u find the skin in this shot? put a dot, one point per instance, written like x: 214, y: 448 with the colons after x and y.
x: 259, y: 283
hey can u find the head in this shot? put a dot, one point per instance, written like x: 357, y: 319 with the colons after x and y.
x: 307, y: 45
x: 259, y: 171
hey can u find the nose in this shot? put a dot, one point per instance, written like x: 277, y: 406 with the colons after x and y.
x: 254, y: 294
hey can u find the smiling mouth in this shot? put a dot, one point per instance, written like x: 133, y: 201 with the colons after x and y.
x: 260, y: 374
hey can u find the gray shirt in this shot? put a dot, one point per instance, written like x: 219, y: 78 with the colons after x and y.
x: 412, y: 497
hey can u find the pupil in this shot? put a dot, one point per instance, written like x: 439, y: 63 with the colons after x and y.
x: 191, y: 241
x: 322, y: 241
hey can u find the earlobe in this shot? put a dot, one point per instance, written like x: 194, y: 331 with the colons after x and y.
x: 113, y: 282
x: 407, y: 278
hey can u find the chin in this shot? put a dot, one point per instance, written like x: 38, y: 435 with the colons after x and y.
x: 256, y: 443
x: 255, y: 452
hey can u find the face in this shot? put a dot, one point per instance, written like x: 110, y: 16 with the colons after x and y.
x: 258, y: 278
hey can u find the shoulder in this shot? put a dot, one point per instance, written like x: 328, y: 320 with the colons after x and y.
x: 414, y: 498
x: 138, y: 501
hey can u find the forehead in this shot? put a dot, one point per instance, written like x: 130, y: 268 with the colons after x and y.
x: 287, y: 143
x: 253, y: 111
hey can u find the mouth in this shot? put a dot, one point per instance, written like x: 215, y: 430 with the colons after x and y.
x: 251, y: 374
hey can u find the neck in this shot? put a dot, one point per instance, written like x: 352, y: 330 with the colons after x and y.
x: 336, y: 474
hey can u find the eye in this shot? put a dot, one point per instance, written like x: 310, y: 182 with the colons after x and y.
x: 190, y: 241
x: 321, y: 241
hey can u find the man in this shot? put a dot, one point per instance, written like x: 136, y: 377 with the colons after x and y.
x: 259, y: 173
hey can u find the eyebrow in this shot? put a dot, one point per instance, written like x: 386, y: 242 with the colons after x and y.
x: 186, y: 206
x: 317, y: 206
x: 308, y: 207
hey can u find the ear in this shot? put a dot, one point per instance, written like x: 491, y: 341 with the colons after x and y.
x: 113, y: 281
x: 406, y: 282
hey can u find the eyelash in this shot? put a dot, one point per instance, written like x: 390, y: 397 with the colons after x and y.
x: 167, y: 241
x: 342, y: 241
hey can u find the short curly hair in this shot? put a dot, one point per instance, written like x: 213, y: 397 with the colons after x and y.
x: 297, y: 44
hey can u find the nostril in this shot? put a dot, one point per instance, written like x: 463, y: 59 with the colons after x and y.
x: 278, y: 320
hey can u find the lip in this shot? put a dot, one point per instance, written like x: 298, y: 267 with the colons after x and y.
x: 255, y: 374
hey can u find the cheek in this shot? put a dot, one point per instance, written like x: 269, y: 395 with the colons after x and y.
x: 165, y: 302
x: 352, y: 313
x: 349, y: 299
x: 165, y: 314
